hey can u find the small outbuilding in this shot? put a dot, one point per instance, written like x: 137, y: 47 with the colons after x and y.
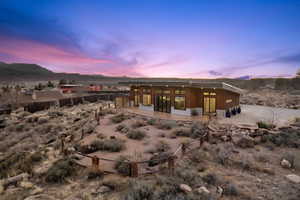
x: 185, y: 97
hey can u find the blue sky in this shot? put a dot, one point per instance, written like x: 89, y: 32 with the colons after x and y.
x: 154, y: 38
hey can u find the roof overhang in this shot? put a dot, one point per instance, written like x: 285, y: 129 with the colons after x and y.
x: 203, y: 85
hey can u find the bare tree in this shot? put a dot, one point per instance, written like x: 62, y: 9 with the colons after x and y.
x: 298, y: 73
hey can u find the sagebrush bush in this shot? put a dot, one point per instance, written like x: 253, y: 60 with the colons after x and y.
x: 111, y: 145
x: 265, y: 125
x: 165, y: 125
x: 162, y: 146
x: 231, y: 190
x: 122, y: 128
x: 151, y: 121
x: 119, y: 118
x: 182, y: 132
x: 140, y: 190
x: 136, y: 134
x: 60, y: 170
x: 121, y: 166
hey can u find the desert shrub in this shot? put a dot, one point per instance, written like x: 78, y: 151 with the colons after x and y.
x: 288, y: 139
x: 297, y: 119
x: 162, y: 146
x: 121, y: 166
x: 265, y: 125
x: 230, y: 190
x: 43, y: 120
x: 262, y: 158
x: 194, y: 112
x: 210, y: 179
x: 18, y: 163
x: 151, y: 121
x: 20, y: 127
x: 122, y: 128
x: 111, y: 145
x: 223, y: 156
x: 183, y: 132
x: 95, y: 174
x: 165, y: 125
x: 136, y: 134
x: 138, y: 124
x: 110, y: 112
x: 197, y: 130
x: 119, y: 118
x: 140, y: 190
x: 60, y: 170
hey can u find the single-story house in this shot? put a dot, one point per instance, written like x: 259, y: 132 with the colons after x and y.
x: 184, y: 97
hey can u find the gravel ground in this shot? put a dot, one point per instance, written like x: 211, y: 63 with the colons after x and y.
x: 253, y: 113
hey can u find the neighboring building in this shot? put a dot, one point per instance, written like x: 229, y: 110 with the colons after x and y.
x: 184, y: 97
x: 72, y: 88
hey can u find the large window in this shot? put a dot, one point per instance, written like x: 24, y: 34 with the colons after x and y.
x: 179, y: 103
x: 180, y: 91
x: 146, y: 99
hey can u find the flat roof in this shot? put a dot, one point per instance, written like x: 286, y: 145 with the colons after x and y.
x: 195, y: 84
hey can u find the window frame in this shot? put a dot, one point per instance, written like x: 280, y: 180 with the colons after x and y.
x: 150, y: 100
x: 175, y: 102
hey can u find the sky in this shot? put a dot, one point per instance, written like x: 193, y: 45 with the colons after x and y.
x: 154, y: 38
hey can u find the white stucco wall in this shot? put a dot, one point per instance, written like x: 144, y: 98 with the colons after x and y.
x: 221, y: 113
x: 148, y: 108
x: 181, y: 112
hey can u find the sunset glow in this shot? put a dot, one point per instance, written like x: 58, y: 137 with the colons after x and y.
x: 197, y: 39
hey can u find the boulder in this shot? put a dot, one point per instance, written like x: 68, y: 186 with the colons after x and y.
x: 285, y: 164
x: 43, y: 120
x: 103, y: 189
x: 203, y: 190
x: 26, y: 184
x: 293, y: 178
x: 185, y: 188
x: 40, y: 197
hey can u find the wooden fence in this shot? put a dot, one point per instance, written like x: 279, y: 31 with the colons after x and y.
x: 136, y: 166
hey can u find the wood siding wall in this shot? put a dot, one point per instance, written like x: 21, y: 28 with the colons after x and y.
x: 194, y: 96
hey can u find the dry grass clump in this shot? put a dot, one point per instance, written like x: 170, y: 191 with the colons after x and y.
x: 166, y: 125
x: 119, y: 118
x: 265, y: 125
x: 151, y: 121
x: 111, y: 145
x: 138, y: 124
x: 122, y: 166
x: 182, y: 132
x: 60, y: 170
x: 162, y: 146
x: 18, y: 163
x: 136, y: 134
x: 122, y: 128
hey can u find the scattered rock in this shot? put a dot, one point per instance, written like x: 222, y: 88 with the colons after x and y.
x: 293, y: 178
x: 103, y: 189
x: 285, y: 164
x: 203, y: 190
x: 40, y: 197
x: 1, y: 188
x: 36, y: 191
x: 26, y: 184
x: 185, y: 188
x: 220, y: 190
x: 43, y: 120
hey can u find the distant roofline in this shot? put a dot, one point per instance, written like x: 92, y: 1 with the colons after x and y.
x: 202, y: 84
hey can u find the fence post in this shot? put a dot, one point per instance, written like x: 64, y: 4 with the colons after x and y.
x: 171, y: 165
x: 134, y: 171
x: 62, y: 144
x: 183, y: 149
x: 82, y: 134
x: 95, y: 163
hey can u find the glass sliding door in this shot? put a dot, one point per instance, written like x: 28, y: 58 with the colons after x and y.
x: 209, y: 102
x: 162, y: 103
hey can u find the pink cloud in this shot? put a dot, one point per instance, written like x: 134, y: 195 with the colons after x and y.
x: 32, y: 51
